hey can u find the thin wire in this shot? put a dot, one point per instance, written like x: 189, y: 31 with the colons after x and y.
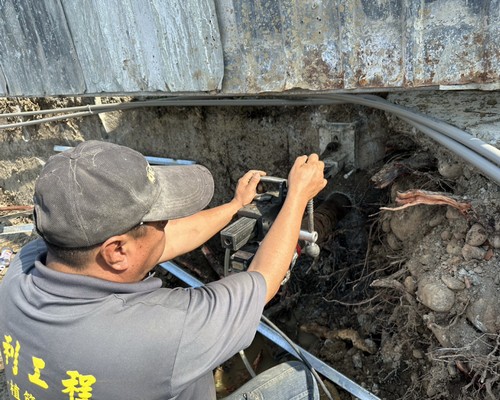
x: 226, y: 261
x: 470, y: 148
x: 247, y: 364
x: 242, y: 354
x: 297, y: 350
x: 43, y: 120
x: 177, y: 101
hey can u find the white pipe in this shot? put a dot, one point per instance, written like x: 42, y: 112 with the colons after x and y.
x: 436, y: 129
x: 307, y: 236
x: 486, y: 150
x: 481, y: 163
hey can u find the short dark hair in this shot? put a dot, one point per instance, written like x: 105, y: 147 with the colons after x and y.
x: 78, y: 257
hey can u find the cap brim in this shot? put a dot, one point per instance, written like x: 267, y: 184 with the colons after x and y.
x: 184, y: 190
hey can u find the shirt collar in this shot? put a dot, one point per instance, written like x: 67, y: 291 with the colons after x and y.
x: 85, y: 287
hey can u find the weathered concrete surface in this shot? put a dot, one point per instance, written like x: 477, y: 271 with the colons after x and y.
x: 37, y: 55
x: 332, y: 44
x: 65, y: 47
x: 146, y: 46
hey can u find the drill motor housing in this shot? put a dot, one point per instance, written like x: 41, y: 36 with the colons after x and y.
x: 254, y: 221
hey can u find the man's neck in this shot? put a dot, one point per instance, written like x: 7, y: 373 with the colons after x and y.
x: 92, y: 270
x: 52, y: 263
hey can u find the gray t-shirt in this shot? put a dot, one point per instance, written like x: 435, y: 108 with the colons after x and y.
x: 69, y: 336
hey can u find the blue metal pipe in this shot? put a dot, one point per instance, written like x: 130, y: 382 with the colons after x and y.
x: 151, y: 160
x: 14, y: 229
x: 324, y: 369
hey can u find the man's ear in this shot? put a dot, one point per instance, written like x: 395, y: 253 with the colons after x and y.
x: 114, y: 252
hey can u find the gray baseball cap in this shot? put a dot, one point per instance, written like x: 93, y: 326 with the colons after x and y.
x: 96, y: 190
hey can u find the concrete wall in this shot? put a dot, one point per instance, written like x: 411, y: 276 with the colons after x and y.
x: 137, y: 47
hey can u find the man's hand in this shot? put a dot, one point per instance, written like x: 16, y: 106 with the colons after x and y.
x: 273, y: 257
x: 186, y: 234
x: 247, y: 188
x: 306, y: 178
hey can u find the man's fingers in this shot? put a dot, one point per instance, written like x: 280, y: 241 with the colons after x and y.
x: 312, y: 158
x: 301, y: 160
x: 253, y: 173
x: 255, y: 177
x: 257, y: 171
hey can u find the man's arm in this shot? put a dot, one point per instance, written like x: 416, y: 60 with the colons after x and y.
x: 275, y: 253
x: 186, y: 234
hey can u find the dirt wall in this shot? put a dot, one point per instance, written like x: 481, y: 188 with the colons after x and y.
x: 401, y: 301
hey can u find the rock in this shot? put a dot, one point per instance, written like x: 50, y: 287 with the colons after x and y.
x: 473, y: 253
x: 436, y: 295
x: 393, y: 242
x: 453, y: 213
x: 410, y: 284
x: 386, y: 225
x: 455, y: 260
x: 356, y: 360
x: 431, y: 391
x: 411, y: 222
x: 370, y: 344
x: 483, y: 314
x: 453, y: 248
x: 436, y: 220
x: 418, y: 354
x: 452, y: 370
x: 415, y: 268
x: 476, y: 235
x: 452, y: 282
x: 446, y: 235
x: 495, y: 240
x: 450, y: 170
x: 460, y: 227
x: 366, y: 324
x: 433, y: 387
x: 391, y: 350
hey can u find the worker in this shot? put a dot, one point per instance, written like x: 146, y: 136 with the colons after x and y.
x: 81, y: 315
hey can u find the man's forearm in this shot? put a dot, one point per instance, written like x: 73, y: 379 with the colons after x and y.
x: 275, y: 253
x: 186, y: 234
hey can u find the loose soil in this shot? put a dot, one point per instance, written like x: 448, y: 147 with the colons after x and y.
x: 403, y: 302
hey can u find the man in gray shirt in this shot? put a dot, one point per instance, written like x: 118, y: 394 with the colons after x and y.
x: 80, y: 316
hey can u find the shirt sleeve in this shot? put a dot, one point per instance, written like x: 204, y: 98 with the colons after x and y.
x: 221, y: 319
x: 25, y: 259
